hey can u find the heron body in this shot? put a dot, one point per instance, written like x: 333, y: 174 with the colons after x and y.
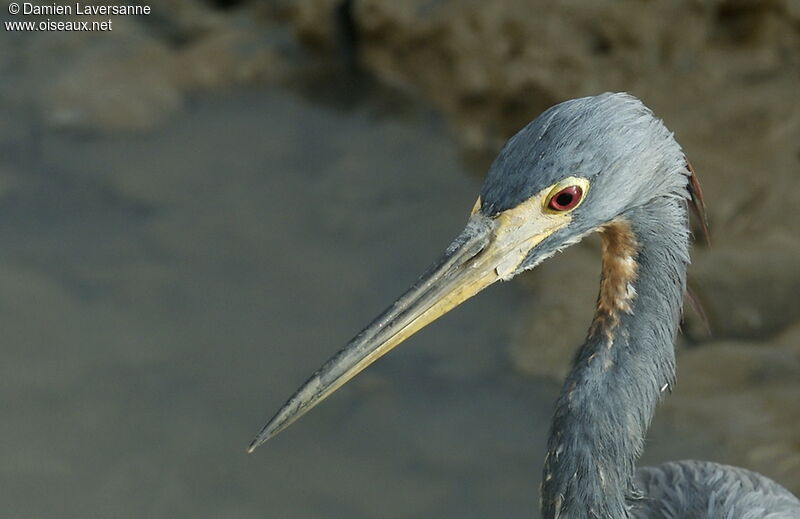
x: 597, y: 164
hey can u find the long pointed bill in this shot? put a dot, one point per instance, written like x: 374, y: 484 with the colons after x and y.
x: 489, y: 249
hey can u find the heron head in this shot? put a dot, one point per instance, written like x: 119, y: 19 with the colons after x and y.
x: 578, y: 166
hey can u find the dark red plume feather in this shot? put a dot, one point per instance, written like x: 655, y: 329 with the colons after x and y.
x: 698, y: 204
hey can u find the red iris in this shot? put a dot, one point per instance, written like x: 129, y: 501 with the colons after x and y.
x: 565, y: 199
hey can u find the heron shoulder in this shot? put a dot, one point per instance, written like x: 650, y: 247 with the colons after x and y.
x: 704, y: 490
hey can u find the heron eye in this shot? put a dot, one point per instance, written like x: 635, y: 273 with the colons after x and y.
x: 565, y: 199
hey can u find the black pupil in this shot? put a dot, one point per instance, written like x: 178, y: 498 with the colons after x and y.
x: 564, y: 199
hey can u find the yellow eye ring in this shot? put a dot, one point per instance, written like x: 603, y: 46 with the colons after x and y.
x: 566, y: 195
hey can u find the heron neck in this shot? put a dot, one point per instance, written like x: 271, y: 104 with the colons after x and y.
x: 627, y: 361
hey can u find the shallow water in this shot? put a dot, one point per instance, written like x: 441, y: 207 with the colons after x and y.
x: 164, y: 293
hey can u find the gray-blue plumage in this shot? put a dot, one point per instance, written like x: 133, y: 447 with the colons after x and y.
x: 704, y: 490
x: 640, y: 184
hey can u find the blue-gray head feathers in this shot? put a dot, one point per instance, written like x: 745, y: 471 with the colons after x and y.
x: 612, y: 140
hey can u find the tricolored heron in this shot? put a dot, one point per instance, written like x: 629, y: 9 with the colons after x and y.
x: 597, y: 164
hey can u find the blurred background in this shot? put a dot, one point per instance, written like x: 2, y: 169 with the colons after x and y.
x: 198, y: 207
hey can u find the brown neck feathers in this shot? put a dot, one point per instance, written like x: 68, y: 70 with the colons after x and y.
x: 620, y: 269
